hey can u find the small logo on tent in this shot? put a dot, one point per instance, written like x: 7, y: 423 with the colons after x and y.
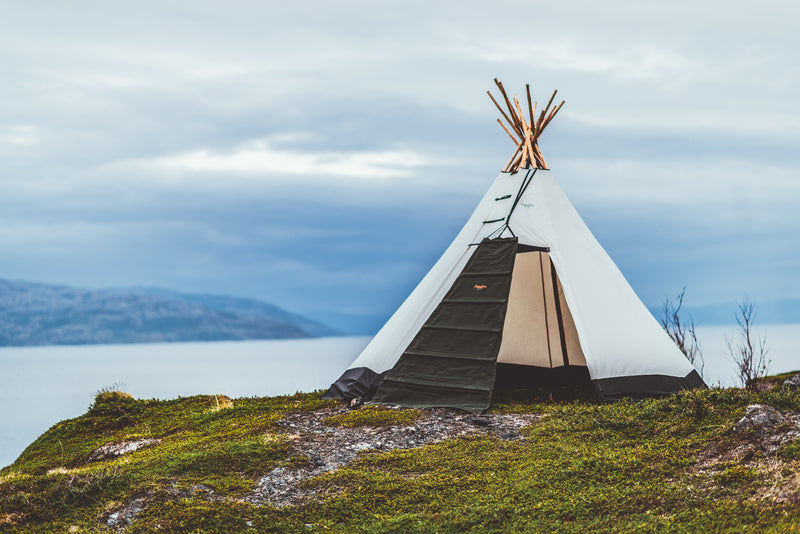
x: 480, y: 287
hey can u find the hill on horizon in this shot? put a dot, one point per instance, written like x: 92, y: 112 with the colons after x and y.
x: 778, y: 311
x: 44, y: 314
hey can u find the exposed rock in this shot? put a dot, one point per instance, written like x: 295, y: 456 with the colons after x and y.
x: 792, y: 384
x: 125, y: 515
x: 764, y: 431
x: 768, y: 431
x: 760, y: 416
x: 328, y: 448
x: 115, y: 450
x: 773, y: 431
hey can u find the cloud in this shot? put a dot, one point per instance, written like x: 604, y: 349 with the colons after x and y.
x: 34, y: 240
x: 20, y: 134
x: 263, y: 158
x: 640, y: 62
x: 724, y: 188
x: 158, y: 144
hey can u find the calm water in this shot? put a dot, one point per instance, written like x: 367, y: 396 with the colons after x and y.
x: 783, y: 345
x: 40, y: 386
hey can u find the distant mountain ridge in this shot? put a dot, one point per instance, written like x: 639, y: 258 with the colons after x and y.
x: 779, y: 311
x: 44, y: 314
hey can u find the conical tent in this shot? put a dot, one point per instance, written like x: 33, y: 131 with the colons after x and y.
x: 524, y: 289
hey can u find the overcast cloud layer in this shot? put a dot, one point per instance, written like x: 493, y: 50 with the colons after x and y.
x: 321, y: 156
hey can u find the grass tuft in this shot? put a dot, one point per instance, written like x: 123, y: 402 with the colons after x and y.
x: 223, y: 403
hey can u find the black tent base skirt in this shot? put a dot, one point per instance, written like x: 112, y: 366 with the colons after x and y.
x: 573, y: 382
x: 356, y: 383
x: 513, y: 376
x: 557, y: 383
x: 524, y: 382
x: 644, y: 386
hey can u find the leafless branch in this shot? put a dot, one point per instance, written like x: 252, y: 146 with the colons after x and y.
x: 749, y: 351
x: 682, y: 332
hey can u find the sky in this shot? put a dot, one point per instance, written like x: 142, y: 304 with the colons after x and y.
x: 322, y: 155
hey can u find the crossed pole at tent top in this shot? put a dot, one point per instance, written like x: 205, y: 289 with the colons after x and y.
x: 524, y: 134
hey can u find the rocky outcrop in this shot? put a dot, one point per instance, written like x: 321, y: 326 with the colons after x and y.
x: 115, y: 450
x: 328, y: 448
x: 760, y: 416
x: 325, y: 447
x: 126, y: 515
x: 763, y: 431
x: 755, y: 448
x: 792, y: 384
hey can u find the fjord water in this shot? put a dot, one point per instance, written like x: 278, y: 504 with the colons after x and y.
x: 40, y: 386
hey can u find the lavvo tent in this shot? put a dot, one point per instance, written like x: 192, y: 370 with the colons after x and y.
x: 524, y: 291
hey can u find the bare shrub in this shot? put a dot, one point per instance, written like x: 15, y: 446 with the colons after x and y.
x: 749, y: 350
x: 682, y: 332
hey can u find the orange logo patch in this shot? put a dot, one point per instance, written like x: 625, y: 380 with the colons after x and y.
x: 479, y: 288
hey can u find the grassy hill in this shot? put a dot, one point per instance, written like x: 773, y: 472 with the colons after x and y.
x: 677, y: 464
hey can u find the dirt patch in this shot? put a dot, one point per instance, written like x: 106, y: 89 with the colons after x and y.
x: 328, y: 448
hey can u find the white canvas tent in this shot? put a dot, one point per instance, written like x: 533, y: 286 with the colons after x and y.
x: 525, y: 284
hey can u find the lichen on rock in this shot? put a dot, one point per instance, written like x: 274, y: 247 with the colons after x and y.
x: 327, y: 447
x: 115, y: 450
x: 760, y: 416
x: 792, y: 384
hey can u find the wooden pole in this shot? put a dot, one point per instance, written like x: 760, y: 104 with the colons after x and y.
x: 508, y: 103
x: 503, y: 113
x: 550, y: 101
x: 531, y: 108
x: 517, y: 164
x: 550, y: 117
x: 529, y: 148
x: 546, y: 109
x: 513, y: 138
x: 534, y: 127
x: 522, y: 117
x: 513, y: 157
x: 540, y: 158
x: 524, y: 131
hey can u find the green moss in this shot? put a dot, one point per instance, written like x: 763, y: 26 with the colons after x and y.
x: 191, y: 515
x: 583, y: 467
x: 776, y: 381
x: 374, y: 416
x: 736, y: 475
x: 51, y: 484
x: 791, y: 451
x: 782, y: 376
